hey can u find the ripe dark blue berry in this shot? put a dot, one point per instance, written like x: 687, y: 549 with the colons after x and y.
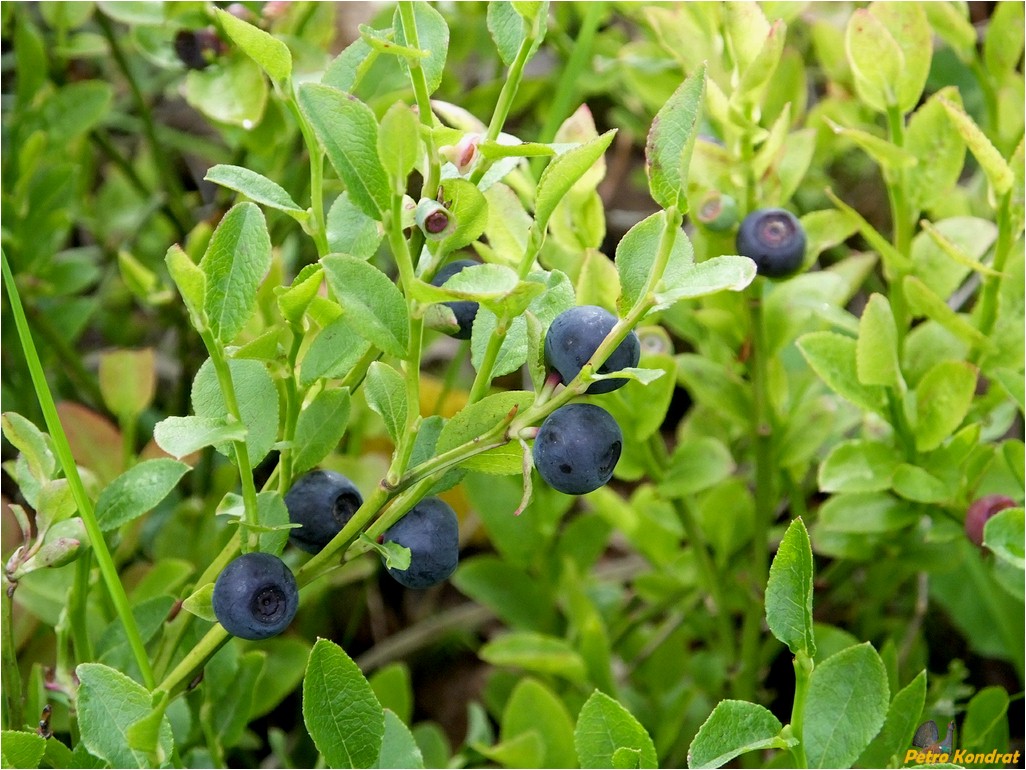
x: 431, y: 532
x: 465, y: 312
x: 575, y: 335
x: 322, y: 501
x: 775, y: 240
x: 255, y: 597
x: 577, y: 448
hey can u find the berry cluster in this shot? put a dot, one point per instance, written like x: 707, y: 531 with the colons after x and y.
x: 575, y: 451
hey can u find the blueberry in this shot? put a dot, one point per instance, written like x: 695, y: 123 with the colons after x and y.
x: 431, y: 532
x: 575, y: 335
x: 322, y: 501
x: 577, y: 448
x: 465, y: 312
x: 981, y: 511
x: 256, y: 596
x: 775, y: 240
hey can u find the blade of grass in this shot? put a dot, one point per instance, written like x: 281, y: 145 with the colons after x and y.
x: 85, y: 506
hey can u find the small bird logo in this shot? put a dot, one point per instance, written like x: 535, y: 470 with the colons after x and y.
x: 927, y: 738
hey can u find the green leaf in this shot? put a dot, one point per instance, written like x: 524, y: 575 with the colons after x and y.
x: 235, y: 262
x: 735, y: 727
x: 320, y: 427
x: 903, y: 717
x: 845, y: 707
x: 371, y: 303
x: 696, y: 464
x: 233, y: 92
x: 333, y: 352
x: 671, y: 140
x: 507, y: 29
x: 726, y: 273
x: 257, y: 399
x: 603, y: 726
x: 789, y: 591
x: 295, y: 299
x: 21, y: 749
x: 191, y: 283
x: 399, y: 144
x: 137, y: 491
x: 523, y: 751
x: 1003, y: 534
x: 914, y: 483
x: 266, y: 50
x: 348, y: 132
x: 875, y: 58
x: 942, y: 399
x: 76, y: 108
x: 910, y: 29
x: 385, y: 390
x: 128, y: 381
x: 394, y: 690
x: 181, y: 436
x: 858, y: 466
x: 833, y: 357
x: 34, y: 445
x: 923, y: 302
x: 986, y: 722
x: 255, y: 186
x: 938, y: 148
x: 998, y: 172
x: 469, y: 207
x: 888, y: 156
x: 350, y: 231
x: 398, y: 748
x: 201, y: 603
x: 477, y: 419
x: 1003, y: 41
x: 636, y: 253
x: 876, y: 351
x: 506, y: 590
x: 866, y: 513
x: 533, y: 707
x: 562, y: 173
x: 273, y: 523
x: 109, y: 703
x: 341, y: 713
x: 535, y: 652
x: 432, y: 35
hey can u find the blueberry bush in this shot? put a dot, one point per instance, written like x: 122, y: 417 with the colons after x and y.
x: 512, y: 384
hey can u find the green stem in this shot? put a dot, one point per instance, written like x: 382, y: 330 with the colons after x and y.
x: 193, y: 662
x: 231, y: 403
x: 509, y: 89
x: 992, y: 283
x: 332, y: 552
x: 803, y: 667
x: 902, y: 219
x: 711, y: 576
x: 451, y: 373
x: 490, y: 439
x: 292, y: 404
x: 77, y: 609
x: 483, y: 378
x: 573, y: 73
x: 617, y: 334
x: 13, y: 706
x: 318, y: 226
x: 67, y: 460
x: 173, y: 635
x: 172, y: 184
x: 505, y: 101
x: 762, y: 440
